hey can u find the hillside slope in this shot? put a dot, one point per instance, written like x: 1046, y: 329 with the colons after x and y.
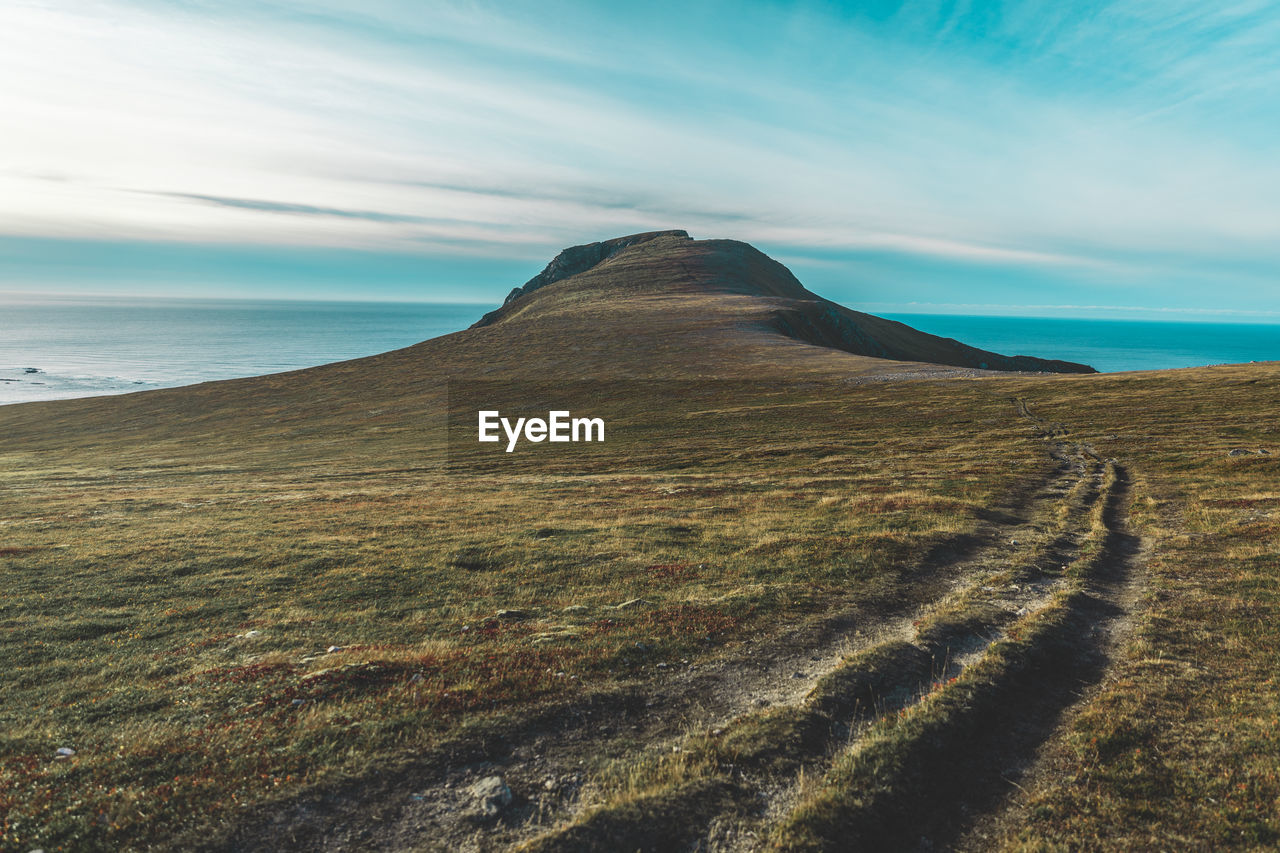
x: 789, y: 606
x: 655, y: 306
x: 630, y: 272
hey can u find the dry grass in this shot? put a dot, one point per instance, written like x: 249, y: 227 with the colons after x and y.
x: 175, y: 565
x: 174, y: 615
x: 1179, y: 748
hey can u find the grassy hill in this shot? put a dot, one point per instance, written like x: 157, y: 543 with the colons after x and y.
x: 802, y: 598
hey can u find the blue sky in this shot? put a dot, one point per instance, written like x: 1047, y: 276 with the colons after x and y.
x: 1091, y: 159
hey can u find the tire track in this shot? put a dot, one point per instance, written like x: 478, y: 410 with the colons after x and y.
x: 756, y: 763
x: 970, y: 590
x: 959, y: 755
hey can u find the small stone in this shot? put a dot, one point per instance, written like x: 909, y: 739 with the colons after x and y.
x: 333, y: 649
x: 512, y: 614
x: 798, y: 674
x: 65, y: 752
x: 249, y: 634
x: 297, y: 703
x: 492, y: 796
x: 575, y: 609
x: 1239, y: 451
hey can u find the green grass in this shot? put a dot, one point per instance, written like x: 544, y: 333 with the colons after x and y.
x: 1180, y: 747
x: 134, y: 585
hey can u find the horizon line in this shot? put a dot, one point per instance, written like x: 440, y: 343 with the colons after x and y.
x: 1005, y: 310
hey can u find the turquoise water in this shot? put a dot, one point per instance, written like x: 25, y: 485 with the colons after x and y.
x: 1109, y: 345
x: 81, y: 347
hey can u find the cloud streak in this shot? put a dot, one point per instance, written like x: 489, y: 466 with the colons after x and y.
x: 300, y: 209
x: 1127, y: 138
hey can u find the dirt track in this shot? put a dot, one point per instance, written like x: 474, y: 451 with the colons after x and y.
x: 424, y: 804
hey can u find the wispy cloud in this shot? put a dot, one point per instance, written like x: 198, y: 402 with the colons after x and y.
x: 299, y: 209
x: 1061, y: 139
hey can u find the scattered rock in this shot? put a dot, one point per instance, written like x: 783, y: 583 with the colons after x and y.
x: 512, y: 614
x: 249, y: 634
x: 1239, y: 451
x: 333, y: 649
x: 575, y: 609
x: 633, y: 603
x: 556, y: 635
x: 491, y: 795
x: 65, y: 752
x: 798, y: 674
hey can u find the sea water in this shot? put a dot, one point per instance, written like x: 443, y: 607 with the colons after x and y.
x: 1109, y: 345
x: 52, y: 348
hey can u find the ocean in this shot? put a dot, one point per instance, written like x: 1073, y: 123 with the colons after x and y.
x: 1109, y: 345
x: 53, y: 348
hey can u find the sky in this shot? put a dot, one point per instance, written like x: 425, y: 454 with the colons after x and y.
x: 1108, y: 159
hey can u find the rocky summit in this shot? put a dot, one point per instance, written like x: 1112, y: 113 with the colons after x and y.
x: 709, y: 279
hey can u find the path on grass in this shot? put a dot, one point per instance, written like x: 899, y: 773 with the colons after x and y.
x: 967, y: 592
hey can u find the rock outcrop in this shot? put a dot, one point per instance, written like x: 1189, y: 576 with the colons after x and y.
x: 644, y: 269
x: 575, y: 260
